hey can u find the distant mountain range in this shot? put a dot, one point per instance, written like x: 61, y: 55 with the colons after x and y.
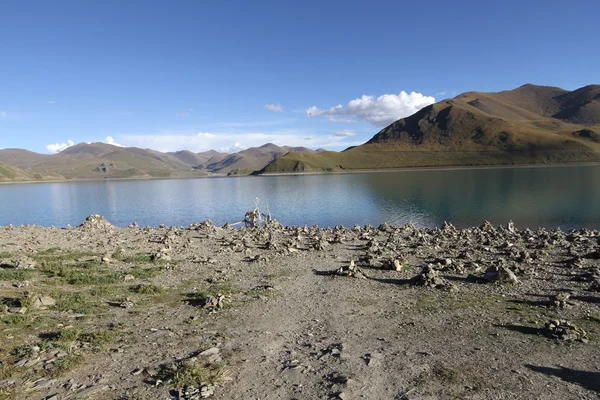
x: 100, y: 160
x: 529, y: 125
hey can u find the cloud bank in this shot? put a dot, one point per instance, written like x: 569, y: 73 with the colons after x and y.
x: 57, y: 147
x: 379, y: 111
x: 275, y: 107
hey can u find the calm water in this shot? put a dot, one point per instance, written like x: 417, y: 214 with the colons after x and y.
x: 568, y: 197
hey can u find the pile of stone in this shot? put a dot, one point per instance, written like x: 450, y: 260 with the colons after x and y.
x: 96, y: 222
x: 213, y: 303
x: 561, y: 300
x: 202, y: 391
x: 350, y: 270
x: 501, y: 274
x: 430, y: 277
x: 564, y: 330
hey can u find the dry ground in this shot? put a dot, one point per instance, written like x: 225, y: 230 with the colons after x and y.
x: 130, y: 317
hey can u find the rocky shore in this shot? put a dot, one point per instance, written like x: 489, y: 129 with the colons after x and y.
x: 387, y: 312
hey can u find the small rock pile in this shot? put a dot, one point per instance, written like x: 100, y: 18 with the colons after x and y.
x: 500, y: 274
x: 96, y: 222
x: 430, y: 277
x: 351, y: 270
x: 564, y: 330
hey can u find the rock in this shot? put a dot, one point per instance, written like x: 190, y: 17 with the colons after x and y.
x: 24, y: 263
x: 431, y: 278
x: 561, y: 300
x: 128, y: 278
x: 42, y: 302
x: 212, y: 303
x: 44, y: 383
x: 511, y: 227
x: 96, y: 222
x: 563, y: 330
x: 92, y: 390
x: 351, y: 270
x: 127, y: 303
x: 17, y: 310
x: 500, y: 274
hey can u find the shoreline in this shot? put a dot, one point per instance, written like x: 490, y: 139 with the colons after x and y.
x: 353, y: 171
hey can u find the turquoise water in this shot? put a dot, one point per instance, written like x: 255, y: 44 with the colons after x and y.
x: 568, y: 197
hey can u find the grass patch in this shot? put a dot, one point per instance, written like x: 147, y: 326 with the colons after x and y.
x: 147, y: 289
x: 4, y: 254
x: 191, y: 372
x: 65, y: 364
x: 81, y: 302
x: 140, y: 258
x: 145, y: 273
x: 15, y: 319
x: 13, y: 274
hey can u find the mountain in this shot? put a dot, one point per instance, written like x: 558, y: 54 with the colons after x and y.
x: 252, y: 159
x: 528, y: 125
x: 198, y: 160
x: 9, y: 173
x: 101, y: 160
x: 98, y: 161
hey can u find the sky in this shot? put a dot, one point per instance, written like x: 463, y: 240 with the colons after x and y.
x: 228, y: 75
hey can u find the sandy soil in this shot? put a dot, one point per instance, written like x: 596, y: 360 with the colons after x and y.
x: 383, y: 312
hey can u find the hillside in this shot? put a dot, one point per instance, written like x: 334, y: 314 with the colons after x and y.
x: 198, y: 160
x: 252, y: 159
x: 101, y: 160
x: 9, y: 173
x: 528, y: 125
x: 98, y: 161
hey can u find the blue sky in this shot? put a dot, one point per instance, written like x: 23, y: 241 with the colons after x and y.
x: 196, y: 75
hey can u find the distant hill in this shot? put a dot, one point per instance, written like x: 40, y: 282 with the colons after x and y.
x: 198, y: 160
x: 9, y: 173
x: 252, y: 159
x: 529, y: 125
x: 101, y: 160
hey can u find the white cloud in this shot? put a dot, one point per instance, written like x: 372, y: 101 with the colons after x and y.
x: 111, y: 140
x: 345, y: 133
x: 3, y: 114
x: 275, y: 107
x: 56, y: 147
x: 51, y: 102
x: 233, y: 142
x: 379, y: 111
x: 185, y: 113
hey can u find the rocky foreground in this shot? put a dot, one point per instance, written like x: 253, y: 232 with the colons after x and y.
x: 102, y: 312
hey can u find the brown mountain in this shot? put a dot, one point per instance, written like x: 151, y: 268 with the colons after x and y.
x: 101, y: 160
x: 252, y: 159
x: 10, y: 173
x: 198, y: 160
x: 531, y: 124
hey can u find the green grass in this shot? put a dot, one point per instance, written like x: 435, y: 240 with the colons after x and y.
x: 191, y: 372
x: 15, y: 319
x: 145, y: 273
x: 147, y: 289
x: 12, y: 274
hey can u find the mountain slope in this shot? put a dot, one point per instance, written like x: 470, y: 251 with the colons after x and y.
x: 531, y: 124
x: 9, y: 173
x: 100, y: 160
x: 198, y: 160
x: 252, y: 159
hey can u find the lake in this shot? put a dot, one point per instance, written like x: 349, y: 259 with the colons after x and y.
x: 565, y: 197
